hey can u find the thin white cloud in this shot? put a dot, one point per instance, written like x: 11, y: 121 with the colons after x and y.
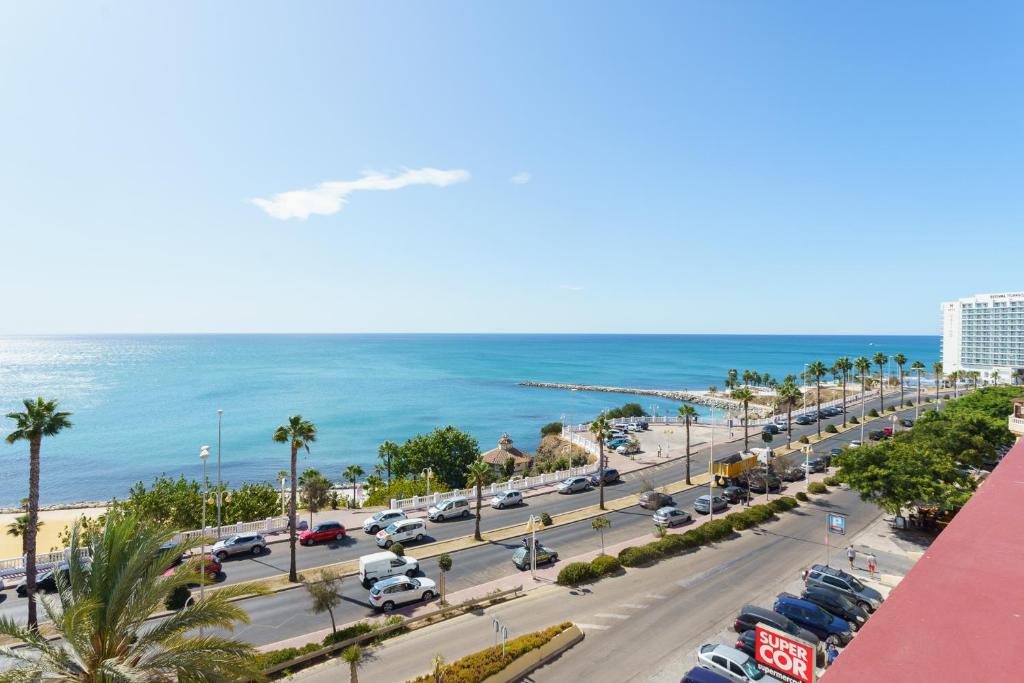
x: 520, y: 178
x: 572, y: 288
x: 329, y: 197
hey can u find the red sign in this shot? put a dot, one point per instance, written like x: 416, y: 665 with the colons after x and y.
x: 783, y: 656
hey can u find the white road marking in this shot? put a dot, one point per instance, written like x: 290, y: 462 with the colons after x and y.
x: 593, y: 627
x: 654, y: 596
x: 632, y: 605
x: 611, y: 616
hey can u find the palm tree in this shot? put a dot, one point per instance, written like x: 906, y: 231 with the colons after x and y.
x: 744, y: 395
x: 730, y: 378
x: 880, y: 359
x: 900, y: 360
x: 918, y: 367
x: 937, y: 369
x: 477, y: 475
x: 954, y: 377
x: 790, y: 394
x: 600, y: 428
x: 40, y: 418
x: 19, y: 527
x: 748, y: 377
x: 101, y: 617
x: 351, y: 473
x: 353, y: 655
x: 386, y: 452
x: 817, y: 370
x: 687, y: 412
x: 995, y: 377
x: 844, y: 366
x: 298, y: 433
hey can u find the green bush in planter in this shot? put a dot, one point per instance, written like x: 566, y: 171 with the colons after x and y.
x: 639, y: 556
x: 605, y: 564
x: 803, y: 439
x: 817, y: 487
x: 760, y: 513
x: 716, y: 530
x: 692, y: 538
x: 790, y: 501
x: 873, y: 413
x: 831, y: 481
x: 576, y: 573
x: 740, y: 520
x: 545, y: 519
x: 672, y: 544
x: 854, y: 420
x: 831, y: 429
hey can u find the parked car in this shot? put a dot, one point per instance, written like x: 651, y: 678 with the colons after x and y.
x: 734, y: 494
x: 46, y: 582
x: 758, y: 482
x: 752, y: 615
x: 573, y: 484
x: 836, y: 451
x: 706, y: 503
x: 701, y: 675
x: 402, y: 532
x: 616, y: 442
x: 211, y: 568
x: 815, y: 465
x: 866, y: 597
x: 670, y: 516
x: 887, y: 431
x: 729, y: 662
x: 322, y: 531
x: 856, y: 443
x: 399, y: 590
x: 826, y: 626
x: 837, y: 603
x: 382, y: 519
x: 377, y: 566
x: 653, y: 500
x: 448, y: 509
x: 782, y: 425
x: 805, y: 420
x: 633, y: 428
x: 877, y: 435
x: 506, y: 499
x: 610, y: 475
x: 521, y: 557
x: 770, y: 428
x: 238, y: 544
x: 628, y: 448
x: 907, y: 422
x: 745, y: 642
x: 792, y: 474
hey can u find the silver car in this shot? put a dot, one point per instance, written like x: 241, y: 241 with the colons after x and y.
x: 382, y: 519
x: 573, y: 484
x: 671, y: 516
x: 506, y: 499
x: 729, y: 663
x: 239, y: 544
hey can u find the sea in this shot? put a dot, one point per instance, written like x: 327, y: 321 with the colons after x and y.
x: 143, y: 405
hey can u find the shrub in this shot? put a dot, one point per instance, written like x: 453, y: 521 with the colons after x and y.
x: 783, y: 503
x: 928, y: 399
x: 803, y: 439
x: 672, y: 544
x: 545, y: 519
x: 873, y: 413
x: 790, y: 501
x: 576, y: 573
x: 740, y: 520
x: 357, y: 629
x: 606, y: 564
x: 177, y: 599
x: 831, y: 429
x: 854, y: 420
x: 802, y: 497
x: 817, y: 487
x: 397, y: 549
x: 551, y: 428
x: 760, y: 513
x: 275, y: 657
x: 716, y: 530
x: 638, y: 555
x: 831, y: 481
x: 692, y: 538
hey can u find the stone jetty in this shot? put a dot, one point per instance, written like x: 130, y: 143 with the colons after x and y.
x: 699, y: 397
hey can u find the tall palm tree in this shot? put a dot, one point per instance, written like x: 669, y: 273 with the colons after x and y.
x: 19, y: 527
x: 101, y: 617
x: 600, y: 428
x: 353, y: 656
x: 954, y: 377
x: 790, y: 394
x: 995, y: 377
x: 900, y: 360
x: 687, y: 412
x: 298, y: 433
x: 477, y: 475
x: 730, y: 378
x: 844, y: 366
x: 880, y: 359
x: 817, y: 370
x: 918, y: 367
x: 937, y: 369
x: 748, y: 377
x: 351, y: 473
x: 744, y: 395
x: 40, y: 418
x: 387, y: 451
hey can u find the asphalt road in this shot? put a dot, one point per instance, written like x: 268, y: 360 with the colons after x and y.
x: 284, y: 615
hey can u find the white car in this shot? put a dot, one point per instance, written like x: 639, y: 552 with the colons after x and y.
x: 855, y: 443
x: 402, y: 532
x: 632, y: 428
x: 377, y: 566
x: 506, y: 499
x: 398, y: 590
x: 384, y: 518
x: 729, y: 663
x: 447, y: 509
x: 573, y: 484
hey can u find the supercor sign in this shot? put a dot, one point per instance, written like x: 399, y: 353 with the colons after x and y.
x: 783, y: 656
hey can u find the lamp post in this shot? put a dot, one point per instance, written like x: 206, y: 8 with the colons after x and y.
x: 863, y: 403
x: 283, y: 480
x: 711, y: 468
x: 808, y: 451
x: 426, y: 475
x: 220, y: 413
x: 204, y: 454
x: 894, y: 424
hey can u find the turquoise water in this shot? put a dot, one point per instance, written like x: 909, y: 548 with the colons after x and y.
x: 144, y: 404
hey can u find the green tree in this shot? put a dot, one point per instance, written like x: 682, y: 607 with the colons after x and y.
x: 937, y: 369
x: 918, y: 367
x: 353, y: 656
x: 447, y: 452
x: 252, y: 501
x: 351, y: 474
x: 325, y: 595
x: 387, y: 452
x: 298, y: 433
x: 789, y: 394
x: 40, y: 418
x: 101, y: 618
x: 316, y: 491
x: 687, y: 412
x: 551, y: 429
x: 444, y: 563
x: 817, y: 370
x: 730, y: 378
x: 599, y: 524
x: 600, y: 429
x: 844, y: 366
x: 954, y: 377
x: 508, y: 468
x: 880, y: 359
x: 744, y: 395
x: 900, y: 360
x: 19, y: 529
x: 477, y: 475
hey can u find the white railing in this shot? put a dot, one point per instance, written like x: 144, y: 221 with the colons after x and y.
x: 14, y: 566
x: 520, y: 484
x: 1017, y: 425
x: 269, y: 525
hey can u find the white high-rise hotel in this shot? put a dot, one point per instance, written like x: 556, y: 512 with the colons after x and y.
x: 984, y: 332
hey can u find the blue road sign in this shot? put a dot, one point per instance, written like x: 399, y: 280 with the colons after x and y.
x: 837, y: 523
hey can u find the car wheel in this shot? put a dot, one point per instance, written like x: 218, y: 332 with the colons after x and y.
x: 554, y: 558
x: 374, y: 529
x: 419, y: 537
x: 832, y: 640
x: 501, y: 505
x: 212, y: 576
x: 388, y: 606
x: 411, y: 573
x: 465, y: 513
x: 864, y: 606
x: 388, y: 544
x: 222, y: 556
x: 428, y: 596
x: 339, y: 537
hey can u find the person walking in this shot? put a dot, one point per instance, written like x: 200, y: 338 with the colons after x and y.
x: 872, y: 564
x: 832, y: 653
x: 851, y: 555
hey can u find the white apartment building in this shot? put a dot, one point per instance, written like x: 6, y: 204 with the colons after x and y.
x: 985, y: 333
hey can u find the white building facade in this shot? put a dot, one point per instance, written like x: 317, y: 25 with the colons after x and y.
x: 984, y: 333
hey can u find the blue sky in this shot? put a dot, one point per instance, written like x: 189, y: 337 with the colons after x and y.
x: 500, y: 167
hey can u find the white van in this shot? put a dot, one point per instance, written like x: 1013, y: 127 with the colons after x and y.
x: 377, y: 566
x: 402, y: 531
x: 447, y: 509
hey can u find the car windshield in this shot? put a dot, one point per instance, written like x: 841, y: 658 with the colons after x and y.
x: 567, y: 482
x: 750, y: 668
x: 392, y: 528
x: 379, y: 516
x: 857, y: 585
x: 232, y: 539
x: 519, y: 554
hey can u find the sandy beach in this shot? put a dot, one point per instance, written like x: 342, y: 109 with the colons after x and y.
x: 54, y: 522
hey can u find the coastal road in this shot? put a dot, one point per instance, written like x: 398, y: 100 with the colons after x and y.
x: 276, y: 617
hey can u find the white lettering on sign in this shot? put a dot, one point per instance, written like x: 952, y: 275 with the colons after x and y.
x: 784, y: 654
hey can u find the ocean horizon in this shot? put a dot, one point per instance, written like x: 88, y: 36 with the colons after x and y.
x: 143, y: 404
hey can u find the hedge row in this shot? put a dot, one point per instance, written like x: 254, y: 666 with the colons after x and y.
x: 817, y: 487
x: 275, y: 657
x: 480, y: 665
x: 576, y: 573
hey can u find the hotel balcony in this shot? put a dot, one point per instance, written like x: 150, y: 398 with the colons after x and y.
x: 1017, y: 418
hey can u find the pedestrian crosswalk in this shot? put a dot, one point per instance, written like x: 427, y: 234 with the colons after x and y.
x: 627, y: 611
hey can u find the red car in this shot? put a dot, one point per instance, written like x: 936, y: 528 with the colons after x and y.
x: 212, y: 568
x: 887, y: 431
x: 324, y: 531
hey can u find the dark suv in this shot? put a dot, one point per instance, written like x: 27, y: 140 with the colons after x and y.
x: 837, y: 603
x: 758, y: 485
x: 752, y: 615
x: 812, y: 617
x: 820, y: 575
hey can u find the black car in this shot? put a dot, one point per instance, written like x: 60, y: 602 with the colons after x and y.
x: 792, y: 474
x: 804, y: 420
x: 610, y: 475
x: 745, y: 642
x: 815, y: 619
x: 46, y: 582
x: 877, y: 435
x: 757, y: 483
x: 817, y: 464
x: 836, y: 603
x: 752, y: 615
x: 734, y: 494
x: 770, y: 428
x: 907, y: 422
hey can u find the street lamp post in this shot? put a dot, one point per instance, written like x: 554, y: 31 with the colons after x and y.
x: 863, y: 403
x: 426, y: 475
x: 894, y: 424
x: 808, y: 450
x: 283, y: 480
x: 711, y: 468
x: 220, y: 413
x: 204, y: 454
